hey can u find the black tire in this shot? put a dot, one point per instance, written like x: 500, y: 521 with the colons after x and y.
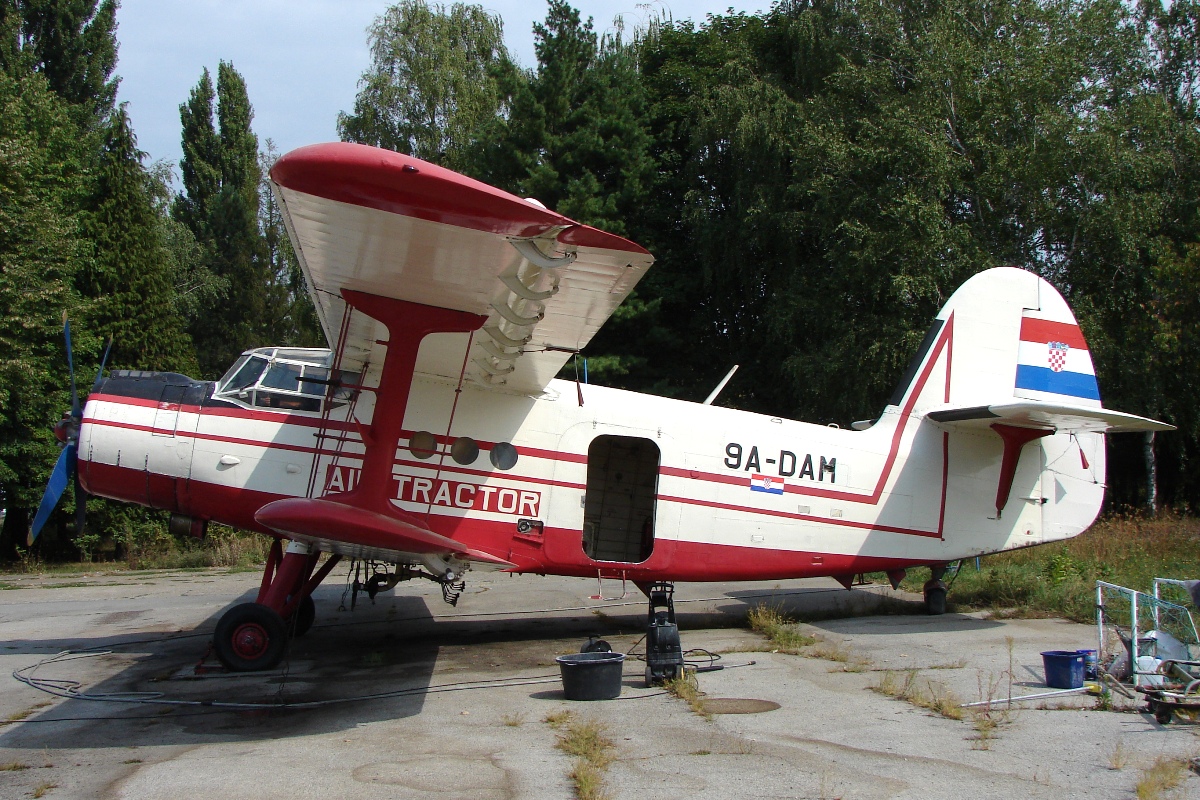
x: 1163, y: 713
x: 306, y: 615
x: 935, y: 601
x: 250, y: 637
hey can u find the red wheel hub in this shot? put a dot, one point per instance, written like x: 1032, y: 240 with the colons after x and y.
x: 250, y: 641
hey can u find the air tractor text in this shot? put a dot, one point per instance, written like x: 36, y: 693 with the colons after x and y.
x: 785, y: 463
x: 452, y: 494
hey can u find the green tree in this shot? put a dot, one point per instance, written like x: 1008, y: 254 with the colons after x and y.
x: 74, y: 44
x: 294, y: 320
x: 130, y: 278
x: 220, y: 206
x: 40, y: 253
x: 432, y: 81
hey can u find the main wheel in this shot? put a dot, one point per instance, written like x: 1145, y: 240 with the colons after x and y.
x: 935, y: 600
x: 306, y: 615
x: 250, y: 637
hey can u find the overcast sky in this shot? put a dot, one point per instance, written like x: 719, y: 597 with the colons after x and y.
x: 301, y: 58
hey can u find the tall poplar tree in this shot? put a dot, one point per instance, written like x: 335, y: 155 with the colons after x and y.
x: 220, y: 205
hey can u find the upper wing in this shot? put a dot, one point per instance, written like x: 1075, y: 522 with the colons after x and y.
x: 388, y: 224
x: 1046, y: 416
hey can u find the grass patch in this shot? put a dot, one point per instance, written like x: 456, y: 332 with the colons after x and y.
x: 588, y: 741
x: 141, y: 541
x: 513, y: 720
x: 930, y: 696
x: 782, y: 632
x: 17, y: 716
x: 1164, y: 775
x: 13, y: 766
x: 42, y: 788
x: 1060, y: 579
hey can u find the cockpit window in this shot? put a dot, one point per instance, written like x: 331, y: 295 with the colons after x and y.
x: 246, y: 375
x: 283, y: 375
x: 294, y: 379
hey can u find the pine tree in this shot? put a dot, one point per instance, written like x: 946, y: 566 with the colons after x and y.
x: 130, y: 274
x: 74, y: 44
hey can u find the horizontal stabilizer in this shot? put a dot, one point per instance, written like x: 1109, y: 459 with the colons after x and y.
x: 1057, y: 417
x: 339, y: 528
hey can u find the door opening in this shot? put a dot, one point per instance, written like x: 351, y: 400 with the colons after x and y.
x: 622, y: 485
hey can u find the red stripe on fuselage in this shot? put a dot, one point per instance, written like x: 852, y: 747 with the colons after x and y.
x: 944, y: 343
x: 672, y: 560
x: 1044, y: 330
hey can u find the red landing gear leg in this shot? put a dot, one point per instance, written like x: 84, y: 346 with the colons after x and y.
x: 254, y: 636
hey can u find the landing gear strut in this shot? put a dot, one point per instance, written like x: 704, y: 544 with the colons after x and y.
x: 664, y: 654
x: 935, y: 591
x: 253, y: 636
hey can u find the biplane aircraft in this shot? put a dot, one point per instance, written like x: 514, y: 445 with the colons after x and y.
x: 432, y: 438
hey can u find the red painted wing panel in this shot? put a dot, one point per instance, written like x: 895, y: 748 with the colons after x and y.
x: 325, y: 520
x: 388, y: 181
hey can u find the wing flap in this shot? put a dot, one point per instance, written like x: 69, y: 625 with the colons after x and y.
x: 1045, y: 416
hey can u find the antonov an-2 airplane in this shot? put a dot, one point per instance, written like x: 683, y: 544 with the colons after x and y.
x: 433, y: 436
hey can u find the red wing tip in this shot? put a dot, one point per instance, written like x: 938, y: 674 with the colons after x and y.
x: 373, y: 177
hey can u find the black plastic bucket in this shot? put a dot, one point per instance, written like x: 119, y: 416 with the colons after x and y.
x: 591, y: 676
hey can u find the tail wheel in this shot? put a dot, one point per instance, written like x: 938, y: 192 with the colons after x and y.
x: 306, y: 615
x: 250, y: 637
x: 935, y: 598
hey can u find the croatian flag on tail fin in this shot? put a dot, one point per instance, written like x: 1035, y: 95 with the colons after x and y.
x: 1053, y: 362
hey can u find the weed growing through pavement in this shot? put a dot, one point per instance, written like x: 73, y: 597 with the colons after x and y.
x: 13, y: 766
x: 1118, y: 758
x: 987, y: 718
x: 686, y: 687
x: 929, y: 696
x: 587, y: 740
x: 1164, y: 775
x: 513, y: 720
x: 41, y: 789
x: 779, y: 630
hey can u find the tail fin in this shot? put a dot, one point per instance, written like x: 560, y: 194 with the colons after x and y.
x: 1012, y: 352
x: 1007, y: 362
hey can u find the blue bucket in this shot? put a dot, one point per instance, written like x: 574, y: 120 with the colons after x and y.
x: 1089, y: 664
x: 1064, y: 668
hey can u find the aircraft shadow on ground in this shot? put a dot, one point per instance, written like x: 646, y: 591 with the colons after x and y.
x: 866, y: 612
x: 373, y: 664
x: 328, y: 664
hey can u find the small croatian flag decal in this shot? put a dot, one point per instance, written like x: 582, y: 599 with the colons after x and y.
x: 1053, y: 362
x: 765, y: 483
